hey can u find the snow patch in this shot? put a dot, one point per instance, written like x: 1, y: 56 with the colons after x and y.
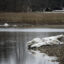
x: 37, y: 42
x: 6, y: 24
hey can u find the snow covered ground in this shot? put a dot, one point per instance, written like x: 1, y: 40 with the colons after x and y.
x: 37, y: 42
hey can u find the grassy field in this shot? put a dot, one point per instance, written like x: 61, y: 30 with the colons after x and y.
x: 33, y: 18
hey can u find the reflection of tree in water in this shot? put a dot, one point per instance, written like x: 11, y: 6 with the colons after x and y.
x: 5, y: 50
x: 53, y: 50
x: 7, y: 44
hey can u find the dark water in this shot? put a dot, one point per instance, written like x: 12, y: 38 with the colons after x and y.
x: 13, y: 47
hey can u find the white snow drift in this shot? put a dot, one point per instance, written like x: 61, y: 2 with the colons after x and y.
x: 37, y: 42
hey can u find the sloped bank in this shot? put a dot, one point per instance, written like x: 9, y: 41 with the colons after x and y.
x: 34, y: 18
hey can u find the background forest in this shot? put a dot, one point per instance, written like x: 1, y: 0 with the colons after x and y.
x: 30, y: 5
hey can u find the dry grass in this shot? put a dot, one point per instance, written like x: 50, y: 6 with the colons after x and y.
x: 33, y: 18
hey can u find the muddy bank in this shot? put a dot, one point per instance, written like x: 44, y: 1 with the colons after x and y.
x: 20, y: 25
x: 54, y: 50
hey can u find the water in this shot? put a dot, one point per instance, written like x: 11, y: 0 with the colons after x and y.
x: 13, y: 46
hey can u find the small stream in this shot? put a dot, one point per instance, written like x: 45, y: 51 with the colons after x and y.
x: 13, y: 46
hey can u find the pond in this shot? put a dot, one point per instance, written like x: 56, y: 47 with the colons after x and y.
x: 14, y: 50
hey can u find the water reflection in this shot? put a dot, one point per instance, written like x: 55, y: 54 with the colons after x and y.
x: 53, y: 52
x: 13, y: 47
x: 7, y: 48
x: 42, y: 58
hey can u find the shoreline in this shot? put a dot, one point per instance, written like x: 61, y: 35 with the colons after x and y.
x: 32, y: 26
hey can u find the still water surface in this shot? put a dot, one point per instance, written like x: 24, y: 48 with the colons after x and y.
x: 13, y: 46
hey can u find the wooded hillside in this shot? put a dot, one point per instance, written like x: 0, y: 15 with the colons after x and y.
x: 30, y: 5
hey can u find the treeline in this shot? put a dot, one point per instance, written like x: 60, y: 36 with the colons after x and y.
x: 30, y: 5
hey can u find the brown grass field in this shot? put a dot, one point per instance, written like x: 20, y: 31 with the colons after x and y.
x: 33, y: 17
